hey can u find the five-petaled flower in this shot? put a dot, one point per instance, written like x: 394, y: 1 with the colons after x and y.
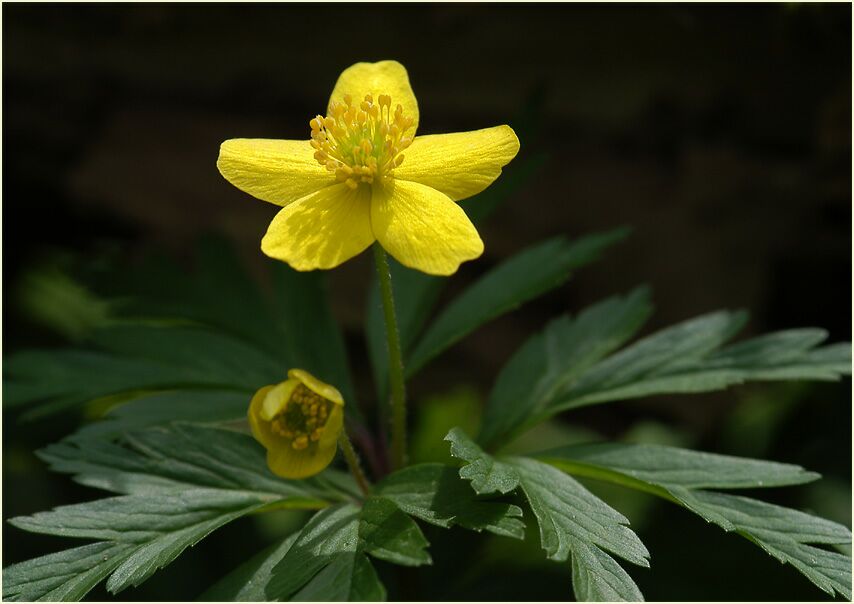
x: 365, y: 176
x: 298, y: 421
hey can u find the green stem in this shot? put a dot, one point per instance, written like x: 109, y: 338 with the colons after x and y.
x: 353, y: 463
x: 395, y: 362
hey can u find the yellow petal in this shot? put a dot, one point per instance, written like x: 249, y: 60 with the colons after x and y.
x: 321, y: 230
x: 385, y: 77
x: 287, y: 462
x: 277, y: 171
x: 459, y: 164
x: 260, y: 428
x: 328, y: 392
x: 422, y: 228
x: 277, y: 399
x: 334, y: 426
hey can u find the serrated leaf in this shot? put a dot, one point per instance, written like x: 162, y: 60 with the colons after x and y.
x: 64, y: 576
x: 563, y: 367
x: 676, y: 475
x: 160, y: 528
x: 345, y: 579
x: 391, y: 535
x: 688, y: 358
x: 486, y: 474
x: 182, y: 482
x: 248, y: 581
x: 436, y: 494
x: 326, y: 562
x: 182, y: 456
x: 596, y: 577
x: 672, y: 466
x: 784, y: 533
x: 331, y: 533
x: 522, y: 277
x: 553, y: 359
x: 568, y: 513
x: 572, y: 520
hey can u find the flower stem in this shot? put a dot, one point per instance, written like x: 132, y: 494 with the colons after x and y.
x: 395, y: 362
x: 353, y: 463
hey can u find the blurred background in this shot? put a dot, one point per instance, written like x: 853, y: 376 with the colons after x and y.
x: 721, y: 133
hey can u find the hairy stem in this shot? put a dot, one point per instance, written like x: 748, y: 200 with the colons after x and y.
x: 353, y: 463
x: 395, y: 362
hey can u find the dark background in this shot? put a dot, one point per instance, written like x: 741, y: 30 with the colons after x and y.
x: 721, y: 133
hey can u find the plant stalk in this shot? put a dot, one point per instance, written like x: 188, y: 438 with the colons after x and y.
x: 353, y: 463
x: 395, y: 362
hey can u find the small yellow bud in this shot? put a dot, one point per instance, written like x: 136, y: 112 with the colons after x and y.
x: 298, y: 421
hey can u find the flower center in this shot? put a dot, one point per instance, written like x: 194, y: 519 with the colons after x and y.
x: 363, y: 142
x: 303, y: 419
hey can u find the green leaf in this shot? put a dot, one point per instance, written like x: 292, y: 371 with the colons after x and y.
x: 568, y: 513
x: 597, y: 577
x: 64, y: 576
x: 571, y: 519
x: 218, y: 292
x: 182, y: 483
x: 247, y: 583
x: 326, y: 562
x: 565, y: 366
x: 185, y: 456
x: 434, y: 493
x: 327, y: 559
x: 671, y: 467
x: 551, y: 360
x: 159, y: 527
x: 687, y: 358
x: 135, y: 358
x: 330, y: 534
x: 345, y: 579
x: 487, y: 475
x: 782, y: 532
x: 160, y: 409
x: 215, y: 357
x: 391, y: 535
x: 513, y: 282
x: 678, y: 475
x: 75, y: 376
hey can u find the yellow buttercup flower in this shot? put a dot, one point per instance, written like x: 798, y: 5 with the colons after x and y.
x: 364, y: 176
x: 298, y: 421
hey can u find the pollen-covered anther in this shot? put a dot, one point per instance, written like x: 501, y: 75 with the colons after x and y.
x: 303, y: 419
x: 361, y: 143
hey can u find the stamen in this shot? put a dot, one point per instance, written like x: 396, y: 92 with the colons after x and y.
x: 361, y: 143
x: 304, y: 417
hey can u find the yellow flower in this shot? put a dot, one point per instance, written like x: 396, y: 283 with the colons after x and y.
x: 365, y: 176
x: 298, y: 421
